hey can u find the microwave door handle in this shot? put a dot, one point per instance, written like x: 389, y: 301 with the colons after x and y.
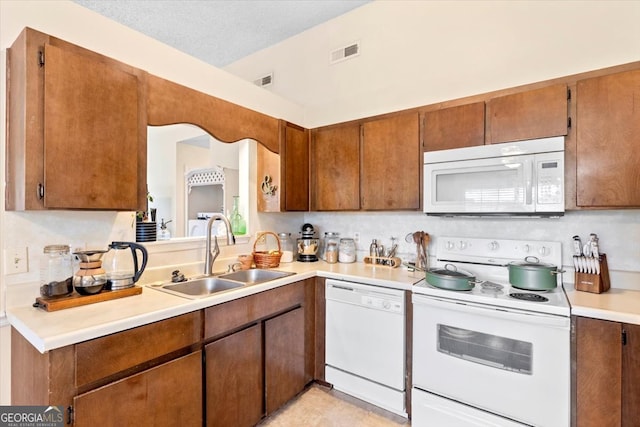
x: 528, y: 170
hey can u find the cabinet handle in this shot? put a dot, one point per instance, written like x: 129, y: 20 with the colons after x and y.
x: 624, y: 337
x: 40, y: 192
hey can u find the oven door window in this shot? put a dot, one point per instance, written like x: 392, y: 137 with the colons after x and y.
x: 490, y: 350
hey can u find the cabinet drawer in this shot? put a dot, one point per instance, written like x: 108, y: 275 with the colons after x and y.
x: 167, y: 395
x: 231, y: 315
x: 114, y: 353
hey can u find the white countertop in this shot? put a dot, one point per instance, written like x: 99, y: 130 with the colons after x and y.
x: 618, y: 305
x: 50, y: 330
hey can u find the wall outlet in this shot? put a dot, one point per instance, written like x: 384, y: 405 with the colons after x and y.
x: 356, y: 237
x: 16, y: 260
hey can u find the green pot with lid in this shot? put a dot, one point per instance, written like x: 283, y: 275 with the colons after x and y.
x: 533, y: 275
x: 451, y: 278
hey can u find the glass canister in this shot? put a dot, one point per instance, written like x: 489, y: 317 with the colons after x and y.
x: 331, y: 252
x: 56, y: 271
x: 347, y: 250
x: 286, y: 246
x: 329, y: 238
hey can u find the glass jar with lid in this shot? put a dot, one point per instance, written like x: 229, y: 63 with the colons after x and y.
x: 330, y: 237
x: 56, y: 271
x: 331, y: 253
x: 347, y: 250
x: 286, y: 247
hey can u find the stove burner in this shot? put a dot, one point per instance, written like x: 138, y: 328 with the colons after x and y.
x: 529, y: 297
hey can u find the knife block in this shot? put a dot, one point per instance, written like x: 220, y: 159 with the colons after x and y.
x: 594, y: 283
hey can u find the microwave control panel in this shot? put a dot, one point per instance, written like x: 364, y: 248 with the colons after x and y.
x: 550, y: 178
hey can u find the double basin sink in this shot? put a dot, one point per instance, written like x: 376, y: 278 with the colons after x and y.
x: 201, y: 287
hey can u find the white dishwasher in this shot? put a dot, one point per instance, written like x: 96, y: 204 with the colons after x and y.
x: 365, y: 343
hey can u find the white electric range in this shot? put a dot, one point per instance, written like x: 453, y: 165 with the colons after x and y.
x: 483, y: 357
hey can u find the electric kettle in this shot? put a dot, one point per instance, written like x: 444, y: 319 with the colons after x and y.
x: 121, y: 264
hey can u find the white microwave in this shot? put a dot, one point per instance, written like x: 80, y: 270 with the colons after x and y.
x: 515, y: 178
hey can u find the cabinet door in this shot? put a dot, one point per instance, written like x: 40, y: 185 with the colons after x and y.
x: 167, y: 395
x: 335, y: 168
x: 284, y: 358
x: 295, y: 173
x: 530, y: 114
x: 90, y: 133
x: 631, y: 377
x: 391, y: 162
x: 608, y: 140
x: 454, y: 127
x: 598, y: 373
x: 234, y: 384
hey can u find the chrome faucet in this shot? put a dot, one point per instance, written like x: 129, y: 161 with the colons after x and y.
x: 210, y: 257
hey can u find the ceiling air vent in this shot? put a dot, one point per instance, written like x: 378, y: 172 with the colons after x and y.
x: 264, y: 81
x: 343, y: 53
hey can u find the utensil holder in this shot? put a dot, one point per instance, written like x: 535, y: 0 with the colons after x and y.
x: 594, y: 283
x: 381, y: 261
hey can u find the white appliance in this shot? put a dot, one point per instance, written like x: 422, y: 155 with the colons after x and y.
x: 365, y: 343
x: 514, y: 178
x: 483, y: 357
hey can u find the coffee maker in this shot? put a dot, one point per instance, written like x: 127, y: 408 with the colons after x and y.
x: 308, y: 244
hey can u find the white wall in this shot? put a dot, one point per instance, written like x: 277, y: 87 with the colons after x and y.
x: 420, y: 52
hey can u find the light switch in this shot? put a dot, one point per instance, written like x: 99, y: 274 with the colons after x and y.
x: 16, y: 260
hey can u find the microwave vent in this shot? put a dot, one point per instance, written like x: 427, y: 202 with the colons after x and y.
x: 346, y: 52
x: 264, y: 80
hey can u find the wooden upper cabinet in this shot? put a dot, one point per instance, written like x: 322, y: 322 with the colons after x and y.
x: 335, y: 168
x: 391, y: 162
x: 170, y: 103
x: 530, y: 114
x: 294, y: 152
x: 453, y: 127
x: 283, y: 179
x: 608, y: 140
x: 76, y: 128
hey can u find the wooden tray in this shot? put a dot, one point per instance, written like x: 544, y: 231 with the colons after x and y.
x: 76, y: 300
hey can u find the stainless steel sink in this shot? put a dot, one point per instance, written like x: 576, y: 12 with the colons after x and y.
x: 206, y: 286
x: 199, y: 288
x: 255, y: 275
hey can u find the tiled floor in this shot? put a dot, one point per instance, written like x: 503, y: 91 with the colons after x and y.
x: 322, y: 407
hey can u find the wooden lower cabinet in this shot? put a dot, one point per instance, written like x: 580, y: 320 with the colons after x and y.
x: 607, y: 373
x: 166, y: 395
x: 284, y: 358
x: 234, y: 379
x: 227, y: 365
x: 253, y: 372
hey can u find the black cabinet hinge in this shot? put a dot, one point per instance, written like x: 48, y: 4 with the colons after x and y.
x: 41, y: 58
x: 568, y: 94
x: 624, y: 337
x: 568, y: 122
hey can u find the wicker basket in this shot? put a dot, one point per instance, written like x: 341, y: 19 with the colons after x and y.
x: 264, y: 259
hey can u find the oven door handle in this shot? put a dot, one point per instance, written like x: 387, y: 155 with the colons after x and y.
x: 492, y: 311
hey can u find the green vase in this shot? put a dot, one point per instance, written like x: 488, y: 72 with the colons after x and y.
x: 238, y: 224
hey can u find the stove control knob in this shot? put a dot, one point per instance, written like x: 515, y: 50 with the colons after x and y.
x: 462, y: 245
x: 544, y: 251
x: 450, y: 245
x: 494, y: 246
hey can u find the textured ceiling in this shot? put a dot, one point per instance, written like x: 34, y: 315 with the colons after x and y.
x: 220, y: 32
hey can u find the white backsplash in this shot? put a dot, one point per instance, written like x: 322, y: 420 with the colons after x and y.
x: 618, y: 230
